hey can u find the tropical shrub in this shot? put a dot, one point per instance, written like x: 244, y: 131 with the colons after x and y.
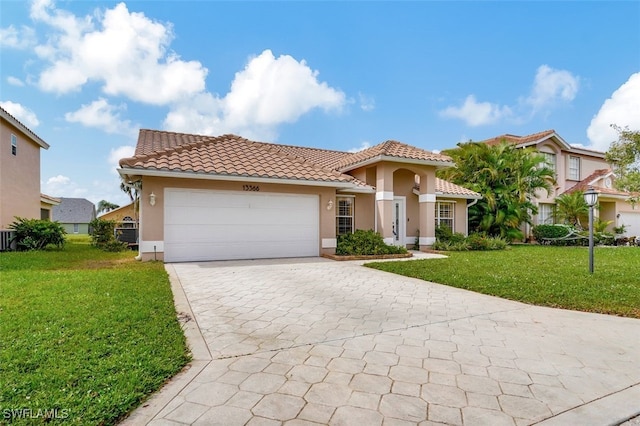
x: 37, y: 234
x: 103, y: 235
x: 363, y: 242
x: 478, y: 241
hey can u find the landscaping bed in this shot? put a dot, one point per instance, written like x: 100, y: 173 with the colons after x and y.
x: 367, y: 257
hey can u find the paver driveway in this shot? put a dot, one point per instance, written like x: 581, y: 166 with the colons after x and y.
x: 313, y: 341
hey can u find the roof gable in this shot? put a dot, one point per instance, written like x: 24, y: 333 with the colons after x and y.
x: 392, y: 150
x: 24, y: 129
x: 529, y: 140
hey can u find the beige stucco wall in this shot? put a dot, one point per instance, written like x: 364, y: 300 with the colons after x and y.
x: 19, y: 177
x: 119, y: 214
x: 152, y: 217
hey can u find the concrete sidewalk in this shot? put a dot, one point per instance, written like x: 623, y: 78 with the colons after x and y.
x: 313, y: 341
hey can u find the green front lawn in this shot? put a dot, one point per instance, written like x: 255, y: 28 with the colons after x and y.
x: 85, y: 336
x: 540, y: 275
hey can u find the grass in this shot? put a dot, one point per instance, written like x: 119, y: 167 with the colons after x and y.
x: 540, y: 275
x: 85, y: 336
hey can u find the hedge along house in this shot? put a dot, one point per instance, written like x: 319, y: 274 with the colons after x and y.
x: 226, y: 197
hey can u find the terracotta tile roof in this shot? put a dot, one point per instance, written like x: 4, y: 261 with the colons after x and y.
x: 225, y: 155
x: 392, y: 149
x: 233, y: 155
x: 584, y: 184
x: 445, y: 187
x: 519, y: 140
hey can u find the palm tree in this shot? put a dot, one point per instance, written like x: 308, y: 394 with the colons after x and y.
x: 105, y: 206
x: 507, y: 178
x: 571, y: 207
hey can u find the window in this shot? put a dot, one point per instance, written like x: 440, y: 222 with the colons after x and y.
x: 545, y: 214
x: 14, y: 145
x: 344, y: 215
x: 445, y: 214
x: 550, y: 160
x: 574, y: 168
x: 76, y: 228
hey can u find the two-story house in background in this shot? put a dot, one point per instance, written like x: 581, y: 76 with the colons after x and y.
x: 20, y: 173
x: 577, y: 169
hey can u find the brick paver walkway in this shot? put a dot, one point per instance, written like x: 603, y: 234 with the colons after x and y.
x: 313, y: 341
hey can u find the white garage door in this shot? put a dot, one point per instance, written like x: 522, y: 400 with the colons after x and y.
x: 632, y: 221
x: 223, y: 225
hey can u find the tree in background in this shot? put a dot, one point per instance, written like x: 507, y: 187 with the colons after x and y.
x: 507, y: 178
x: 624, y: 157
x: 105, y: 206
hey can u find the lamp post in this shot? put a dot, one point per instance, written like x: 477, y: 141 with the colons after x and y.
x: 591, y: 198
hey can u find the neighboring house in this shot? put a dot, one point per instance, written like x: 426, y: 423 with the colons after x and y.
x: 74, y: 214
x: 226, y: 197
x: 46, y: 205
x: 577, y: 169
x: 19, y: 171
x: 125, y: 216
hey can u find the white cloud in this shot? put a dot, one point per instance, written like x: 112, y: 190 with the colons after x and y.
x: 14, y: 81
x: 367, y: 103
x: 100, y: 114
x: 268, y: 92
x: 126, y: 52
x: 551, y: 86
x: 476, y: 113
x: 362, y: 147
x: 23, y: 114
x: 118, y: 153
x: 17, y: 38
x: 63, y: 186
x: 622, y: 109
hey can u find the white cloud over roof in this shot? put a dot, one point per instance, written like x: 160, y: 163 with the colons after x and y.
x: 621, y: 109
x: 22, y: 113
x: 550, y: 88
x: 269, y: 91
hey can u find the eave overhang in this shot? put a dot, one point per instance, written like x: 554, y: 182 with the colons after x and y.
x: 389, y: 158
x: 133, y: 174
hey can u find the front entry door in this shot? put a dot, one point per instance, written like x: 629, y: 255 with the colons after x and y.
x: 399, y: 220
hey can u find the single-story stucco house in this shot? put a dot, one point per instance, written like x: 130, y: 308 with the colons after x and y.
x: 74, y: 214
x: 226, y: 197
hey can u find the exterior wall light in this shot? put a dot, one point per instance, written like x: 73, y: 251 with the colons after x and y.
x: 591, y: 199
x: 330, y: 205
x: 152, y: 199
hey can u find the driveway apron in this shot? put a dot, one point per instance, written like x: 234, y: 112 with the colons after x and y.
x: 314, y: 341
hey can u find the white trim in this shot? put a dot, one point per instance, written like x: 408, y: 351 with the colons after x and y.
x: 427, y: 198
x: 384, y: 196
x: 388, y: 241
x: 329, y: 242
x: 148, y: 246
x: 426, y: 241
x: 128, y: 172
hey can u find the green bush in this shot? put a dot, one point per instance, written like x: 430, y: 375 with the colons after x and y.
x: 444, y: 233
x: 478, y: 242
x: 541, y: 232
x: 363, y: 242
x: 103, y: 235
x: 37, y: 234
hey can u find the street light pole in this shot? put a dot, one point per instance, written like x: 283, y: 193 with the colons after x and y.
x: 591, y: 198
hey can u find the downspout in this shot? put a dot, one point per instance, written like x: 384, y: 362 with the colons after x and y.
x: 137, y: 216
x: 467, y: 221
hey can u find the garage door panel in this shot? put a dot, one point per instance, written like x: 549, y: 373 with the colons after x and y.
x: 211, y: 225
x: 632, y: 221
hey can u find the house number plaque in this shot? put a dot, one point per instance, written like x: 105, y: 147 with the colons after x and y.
x: 254, y: 188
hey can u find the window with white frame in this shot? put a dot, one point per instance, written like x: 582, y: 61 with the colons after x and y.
x: 574, y: 168
x: 344, y: 215
x: 14, y: 145
x: 76, y: 228
x: 545, y: 214
x: 445, y: 212
x: 550, y: 160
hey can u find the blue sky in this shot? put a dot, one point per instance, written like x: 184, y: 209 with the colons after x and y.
x: 85, y: 76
